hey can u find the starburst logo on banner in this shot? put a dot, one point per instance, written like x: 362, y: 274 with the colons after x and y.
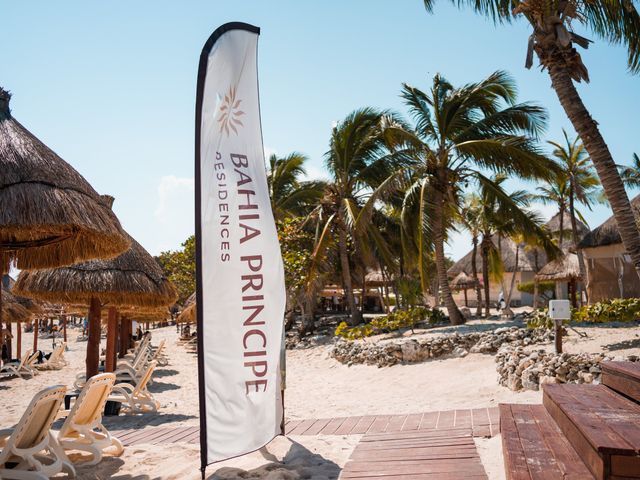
x: 230, y: 112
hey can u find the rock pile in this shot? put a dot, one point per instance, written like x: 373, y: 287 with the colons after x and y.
x: 522, y: 370
x: 410, y: 350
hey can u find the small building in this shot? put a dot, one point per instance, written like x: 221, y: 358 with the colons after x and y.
x: 530, y: 261
x: 610, y: 272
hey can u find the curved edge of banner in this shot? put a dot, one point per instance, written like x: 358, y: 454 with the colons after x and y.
x: 202, y: 72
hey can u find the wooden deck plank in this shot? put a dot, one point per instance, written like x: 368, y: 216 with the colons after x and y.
x: 412, y: 422
x: 416, y: 454
x: 379, y: 425
x: 302, y: 427
x: 396, y: 422
x: 446, y: 419
x: 462, y: 418
x: 363, y: 424
x: 429, y: 420
x: 317, y: 426
x: 515, y: 461
x: 347, y: 426
x: 333, y: 425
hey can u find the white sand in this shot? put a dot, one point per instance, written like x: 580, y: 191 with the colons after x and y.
x: 318, y: 387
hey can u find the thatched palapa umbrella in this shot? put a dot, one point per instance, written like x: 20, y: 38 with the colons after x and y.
x: 188, y: 314
x: 464, y: 282
x: 134, y: 279
x: 50, y: 215
x: 563, y: 269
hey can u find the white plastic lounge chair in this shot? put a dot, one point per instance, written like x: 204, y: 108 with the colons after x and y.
x: 30, y: 450
x: 136, y: 399
x: 159, y: 355
x: 56, y: 361
x: 23, y: 368
x: 83, y: 429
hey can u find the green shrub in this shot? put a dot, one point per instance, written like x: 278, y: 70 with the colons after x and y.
x: 391, y: 322
x: 529, y: 287
x: 613, y: 310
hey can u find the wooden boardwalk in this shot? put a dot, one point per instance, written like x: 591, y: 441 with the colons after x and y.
x: 482, y: 422
x: 444, y: 454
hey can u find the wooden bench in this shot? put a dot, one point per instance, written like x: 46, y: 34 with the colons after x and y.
x: 535, y: 448
x: 623, y: 377
x: 602, y: 426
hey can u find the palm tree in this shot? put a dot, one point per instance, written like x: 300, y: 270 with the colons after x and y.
x: 471, y: 219
x: 458, y: 134
x: 581, y: 184
x: 361, y: 172
x: 553, y: 40
x: 290, y: 195
x: 555, y: 192
x: 505, y: 215
x: 631, y: 173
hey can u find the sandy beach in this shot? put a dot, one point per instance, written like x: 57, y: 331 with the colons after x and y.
x: 317, y: 387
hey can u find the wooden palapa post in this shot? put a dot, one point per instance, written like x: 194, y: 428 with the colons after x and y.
x: 64, y: 328
x: 122, y: 350
x: 9, y: 337
x: 36, y: 327
x: 112, y: 326
x: 19, y: 342
x: 93, y: 342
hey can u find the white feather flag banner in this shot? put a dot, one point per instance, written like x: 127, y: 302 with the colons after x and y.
x: 240, y: 278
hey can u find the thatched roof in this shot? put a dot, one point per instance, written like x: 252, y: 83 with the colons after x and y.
x: 554, y: 226
x: 50, y: 215
x: 463, y: 282
x: 529, y: 260
x: 188, y: 314
x: 561, y: 269
x: 12, y: 311
x: 132, y: 279
x: 607, y: 233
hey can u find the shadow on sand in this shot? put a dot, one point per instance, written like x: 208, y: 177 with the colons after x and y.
x: 298, y: 463
x: 141, y: 421
x: 622, y: 345
x: 165, y: 372
x: 157, y: 387
x: 109, y: 467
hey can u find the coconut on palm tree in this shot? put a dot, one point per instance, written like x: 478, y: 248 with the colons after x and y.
x: 554, y: 41
x: 459, y: 133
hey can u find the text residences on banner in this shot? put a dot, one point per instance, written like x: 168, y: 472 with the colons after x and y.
x: 240, y: 277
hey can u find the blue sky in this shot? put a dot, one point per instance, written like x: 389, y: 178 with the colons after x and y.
x: 110, y: 86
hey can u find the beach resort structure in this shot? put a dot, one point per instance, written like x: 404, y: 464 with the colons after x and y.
x: 530, y: 261
x: 610, y: 273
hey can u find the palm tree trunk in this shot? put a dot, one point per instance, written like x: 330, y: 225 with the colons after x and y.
x: 474, y: 274
x: 484, y: 251
x: 600, y: 155
x: 574, y: 235
x: 455, y: 317
x: 356, y: 317
x: 513, y: 282
x: 561, y: 212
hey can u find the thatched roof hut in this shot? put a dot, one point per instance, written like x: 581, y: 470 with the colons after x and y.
x: 50, y: 215
x: 132, y: 279
x: 607, y: 233
x: 12, y: 311
x: 188, y: 314
x: 463, y: 282
x: 563, y: 269
x: 529, y: 260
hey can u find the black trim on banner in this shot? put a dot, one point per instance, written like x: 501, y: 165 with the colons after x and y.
x: 202, y: 73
